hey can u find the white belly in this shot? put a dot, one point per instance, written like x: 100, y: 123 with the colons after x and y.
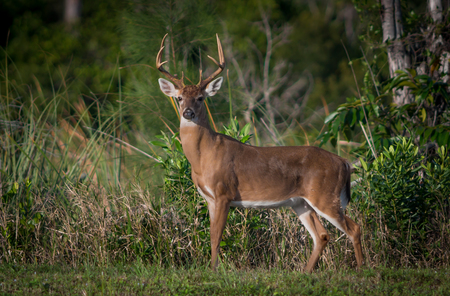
x: 291, y: 202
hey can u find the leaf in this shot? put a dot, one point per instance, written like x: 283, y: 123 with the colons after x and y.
x: 376, y: 110
x: 363, y: 163
x: 420, y: 130
x: 396, y: 80
x: 330, y: 117
x: 407, y: 83
x: 335, y: 126
x: 342, y: 118
x: 348, y: 134
x: 245, y: 139
x: 435, y: 134
x: 333, y: 141
x: 324, y: 136
x: 412, y: 72
x: 423, y: 114
x: 178, y: 146
x: 349, y: 116
x: 423, y: 77
x: 158, y: 143
x: 401, y: 72
x: 381, y: 96
x: 427, y: 133
x: 443, y: 137
x: 361, y: 116
x: 245, y: 130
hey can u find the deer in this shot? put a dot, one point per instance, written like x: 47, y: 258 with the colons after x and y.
x: 228, y: 173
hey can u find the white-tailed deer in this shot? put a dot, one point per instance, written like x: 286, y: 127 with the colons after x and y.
x: 228, y: 173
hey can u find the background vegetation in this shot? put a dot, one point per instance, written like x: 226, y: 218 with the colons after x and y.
x: 92, y: 171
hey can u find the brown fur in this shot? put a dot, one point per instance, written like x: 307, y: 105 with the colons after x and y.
x: 229, y: 171
x: 226, y: 172
x: 190, y: 91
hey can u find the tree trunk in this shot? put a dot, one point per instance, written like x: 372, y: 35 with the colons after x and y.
x: 399, y: 57
x: 71, y: 11
x: 437, y: 46
x: 435, y: 7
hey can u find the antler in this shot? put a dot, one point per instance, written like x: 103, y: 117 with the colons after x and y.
x: 178, y: 82
x: 203, y: 83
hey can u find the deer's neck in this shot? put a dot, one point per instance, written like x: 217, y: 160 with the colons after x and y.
x: 197, y: 139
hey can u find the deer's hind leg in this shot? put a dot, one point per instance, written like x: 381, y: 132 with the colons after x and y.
x: 318, y: 233
x: 353, y: 231
x: 335, y: 215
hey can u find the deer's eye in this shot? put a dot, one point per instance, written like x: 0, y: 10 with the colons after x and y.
x: 180, y: 99
x: 200, y: 99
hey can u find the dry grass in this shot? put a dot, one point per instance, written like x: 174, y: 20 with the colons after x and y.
x: 99, y: 226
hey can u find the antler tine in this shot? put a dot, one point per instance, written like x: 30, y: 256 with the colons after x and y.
x: 159, y: 65
x: 204, y: 83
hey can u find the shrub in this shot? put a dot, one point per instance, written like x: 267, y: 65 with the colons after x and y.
x: 402, y: 193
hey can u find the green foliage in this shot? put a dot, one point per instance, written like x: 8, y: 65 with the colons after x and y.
x: 403, y: 190
x: 372, y: 117
x: 345, y: 120
x: 437, y: 180
x: 191, y: 26
x: 177, y: 170
x: 369, y: 14
x: 243, y: 135
x: 21, y: 234
x: 429, y: 112
x: 58, y: 55
x: 424, y: 119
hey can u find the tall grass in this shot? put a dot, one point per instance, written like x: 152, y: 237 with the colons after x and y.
x: 63, y: 200
x: 51, y: 148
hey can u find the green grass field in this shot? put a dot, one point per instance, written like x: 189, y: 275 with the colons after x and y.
x: 137, y: 279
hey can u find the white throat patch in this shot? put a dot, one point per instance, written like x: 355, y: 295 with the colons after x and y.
x: 188, y: 123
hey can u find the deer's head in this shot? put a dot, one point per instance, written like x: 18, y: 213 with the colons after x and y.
x: 191, y: 97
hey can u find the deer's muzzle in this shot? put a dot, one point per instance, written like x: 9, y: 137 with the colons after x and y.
x: 188, y: 114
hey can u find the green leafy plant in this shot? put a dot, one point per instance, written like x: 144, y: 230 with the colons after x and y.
x: 177, y: 170
x: 375, y: 121
x: 402, y: 190
x: 243, y: 135
x: 22, y: 233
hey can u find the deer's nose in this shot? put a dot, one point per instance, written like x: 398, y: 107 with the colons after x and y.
x: 188, y: 113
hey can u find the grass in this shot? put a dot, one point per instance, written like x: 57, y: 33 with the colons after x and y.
x: 140, y: 279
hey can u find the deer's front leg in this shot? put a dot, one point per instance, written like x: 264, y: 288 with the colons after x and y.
x: 218, y: 212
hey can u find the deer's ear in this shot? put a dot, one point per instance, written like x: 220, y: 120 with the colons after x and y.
x: 167, y: 88
x: 213, y: 87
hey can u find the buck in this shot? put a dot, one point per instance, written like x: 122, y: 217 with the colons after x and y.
x: 228, y: 173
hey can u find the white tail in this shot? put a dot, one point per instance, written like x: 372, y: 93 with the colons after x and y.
x: 228, y: 173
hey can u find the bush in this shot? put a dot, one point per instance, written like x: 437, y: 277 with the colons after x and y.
x: 406, y: 195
